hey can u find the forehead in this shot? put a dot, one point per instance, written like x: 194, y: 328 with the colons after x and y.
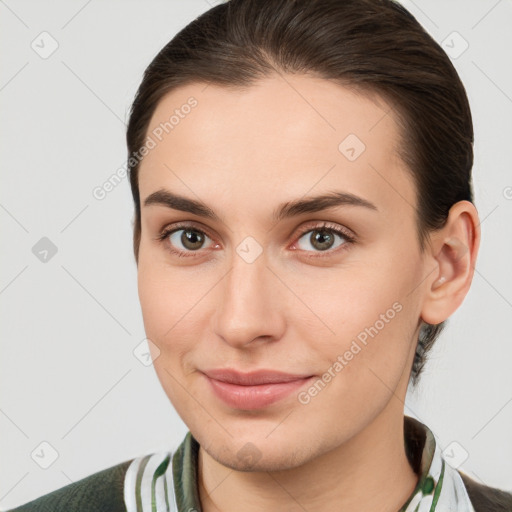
x: 284, y: 135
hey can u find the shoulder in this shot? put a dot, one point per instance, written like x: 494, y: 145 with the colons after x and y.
x: 485, y: 498
x: 101, y: 491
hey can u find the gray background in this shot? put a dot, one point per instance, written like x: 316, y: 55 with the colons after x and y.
x: 69, y: 376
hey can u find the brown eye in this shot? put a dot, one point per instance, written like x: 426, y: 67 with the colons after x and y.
x: 322, y: 239
x: 189, y: 239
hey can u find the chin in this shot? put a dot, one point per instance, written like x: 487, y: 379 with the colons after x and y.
x: 251, y: 459
x: 250, y: 454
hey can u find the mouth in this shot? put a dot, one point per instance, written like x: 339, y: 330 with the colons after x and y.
x: 254, y: 390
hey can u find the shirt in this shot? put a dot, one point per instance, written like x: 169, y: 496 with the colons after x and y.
x: 168, y: 482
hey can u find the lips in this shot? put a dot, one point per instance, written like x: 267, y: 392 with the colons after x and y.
x: 254, y: 390
x: 253, y: 378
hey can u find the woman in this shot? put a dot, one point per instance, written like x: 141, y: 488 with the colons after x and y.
x: 301, y: 174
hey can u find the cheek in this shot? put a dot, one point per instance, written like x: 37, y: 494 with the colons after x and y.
x: 157, y: 298
x: 166, y: 325
x: 161, y: 292
x: 343, y: 302
x: 365, y: 316
x: 366, y: 358
x: 171, y: 303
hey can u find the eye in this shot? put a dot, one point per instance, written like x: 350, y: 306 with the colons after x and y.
x: 186, y: 240
x: 183, y: 240
x: 322, y: 238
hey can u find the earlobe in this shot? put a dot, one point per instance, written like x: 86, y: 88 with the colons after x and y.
x: 453, y: 252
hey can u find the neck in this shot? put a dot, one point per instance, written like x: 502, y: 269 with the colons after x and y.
x: 368, y: 472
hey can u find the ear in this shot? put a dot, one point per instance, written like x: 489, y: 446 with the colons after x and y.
x: 452, y: 254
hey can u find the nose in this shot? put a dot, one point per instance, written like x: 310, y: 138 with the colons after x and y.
x: 251, y: 309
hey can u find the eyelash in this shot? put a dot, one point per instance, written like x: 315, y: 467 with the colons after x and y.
x: 324, y: 226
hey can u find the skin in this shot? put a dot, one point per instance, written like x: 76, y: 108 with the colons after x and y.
x: 244, y: 152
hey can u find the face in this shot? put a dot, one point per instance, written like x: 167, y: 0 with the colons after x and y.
x: 329, y: 292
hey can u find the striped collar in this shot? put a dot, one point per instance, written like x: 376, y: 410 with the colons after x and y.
x: 440, y: 487
x: 167, y: 481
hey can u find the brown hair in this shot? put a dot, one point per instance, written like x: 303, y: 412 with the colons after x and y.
x: 373, y: 46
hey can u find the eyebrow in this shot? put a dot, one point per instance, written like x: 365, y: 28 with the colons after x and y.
x: 285, y: 210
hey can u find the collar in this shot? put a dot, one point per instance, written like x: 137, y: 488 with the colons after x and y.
x: 440, y: 487
x: 168, y: 481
